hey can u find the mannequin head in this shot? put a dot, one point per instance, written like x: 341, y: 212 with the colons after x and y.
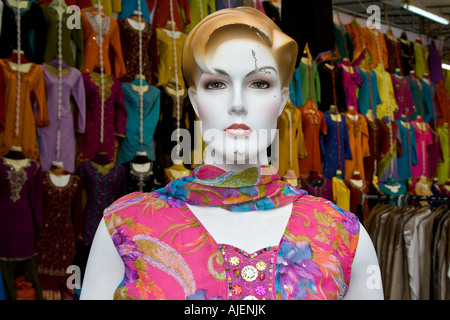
x: 238, y: 65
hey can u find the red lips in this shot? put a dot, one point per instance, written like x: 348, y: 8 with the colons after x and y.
x: 238, y: 130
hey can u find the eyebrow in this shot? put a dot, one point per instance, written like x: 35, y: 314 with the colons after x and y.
x: 222, y: 72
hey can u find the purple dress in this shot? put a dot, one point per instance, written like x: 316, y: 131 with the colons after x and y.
x: 72, y: 87
x: 403, y: 97
x: 21, y: 212
x: 114, y: 120
x: 104, y: 184
x: 351, y: 79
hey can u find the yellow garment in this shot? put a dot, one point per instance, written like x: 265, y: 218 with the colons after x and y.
x: 166, y: 67
x: 196, y: 13
x: 292, y: 142
x: 420, y: 60
x: 341, y: 193
x: 386, y: 90
x: 447, y: 80
x: 443, y: 167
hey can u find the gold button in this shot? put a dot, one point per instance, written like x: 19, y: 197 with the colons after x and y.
x: 261, y: 266
x: 234, y: 261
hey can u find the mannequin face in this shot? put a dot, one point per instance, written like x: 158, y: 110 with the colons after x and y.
x: 238, y: 103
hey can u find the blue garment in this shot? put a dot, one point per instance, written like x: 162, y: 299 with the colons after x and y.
x: 129, y: 6
x: 222, y: 4
x: 365, y: 95
x: 329, y: 146
x: 131, y: 143
x: 295, y: 89
x: 409, y: 149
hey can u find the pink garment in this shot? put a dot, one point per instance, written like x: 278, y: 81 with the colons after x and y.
x: 423, y: 140
x: 168, y: 253
x: 351, y: 81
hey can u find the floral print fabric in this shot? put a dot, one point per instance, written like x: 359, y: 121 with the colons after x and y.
x: 168, y: 254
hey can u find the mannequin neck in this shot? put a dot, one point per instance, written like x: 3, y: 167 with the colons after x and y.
x: 236, y: 166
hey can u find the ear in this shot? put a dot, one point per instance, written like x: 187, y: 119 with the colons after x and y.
x: 284, y: 99
x: 193, y: 98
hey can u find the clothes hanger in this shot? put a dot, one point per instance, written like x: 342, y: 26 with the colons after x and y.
x: 15, y: 153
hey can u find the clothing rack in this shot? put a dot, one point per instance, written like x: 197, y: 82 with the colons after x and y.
x: 405, y: 198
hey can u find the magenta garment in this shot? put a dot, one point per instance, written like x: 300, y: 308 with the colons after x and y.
x: 169, y: 254
x: 21, y: 212
x: 115, y: 117
x: 351, y: 82
x: 324, y: 191
x: 403, y: 97
x: 70, y: 122
x: 423, y: 140
x: 435, y: 155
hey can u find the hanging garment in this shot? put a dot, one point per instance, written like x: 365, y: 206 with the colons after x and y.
x: 344, y: 45
x: 391, y: 148
x: 309, y: 76
x: 180, y: 9
x: 130, y: 6
x: 313, y: 124
x: 55, y: 242
x: 423, y: 140
x: 357, y: 186
x: 20, y: 207
x: 420, y: 59
x: 335, y: 145
x: 110, y: 40
x: 407, y: 54
x: 331, y: 87
x: 32, y: 32
x: 151, y: 112
x: 435, y: 63
x: 409, y: 149
x: 403, y: 97
x: 394, y: 51
x: 197, y: 11
x: 368, y: 94
x: 359, y: 143
x: 32, y: 85
x: 130, y: 40
x: 359, y: 41
x: 443, y: 164
x: 114, y: 120
x: 434, y: 153
x: 104, y: 184
x: 351, y: 80
x: 323, y: 188
x: 291, y: 140
x: 222, y: 4
x: 165, y: 48
x: 428, y: 108
x: 371, y: 162
x: 72, y: 40
x: 71, y: 121
x: 341, y: 193
x: 442, y: 99
x: 190, y: 255
x: 295, y: 88
x: 388, y: 105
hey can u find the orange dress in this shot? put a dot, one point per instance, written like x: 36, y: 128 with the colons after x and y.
x: 32, y: 85
x: 378, y: 51
x: 111, y: 41
x: 313, y: 123
x: 358, y: 134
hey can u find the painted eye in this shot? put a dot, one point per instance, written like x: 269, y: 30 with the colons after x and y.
x: 215, y: 85
x: 260, y: 84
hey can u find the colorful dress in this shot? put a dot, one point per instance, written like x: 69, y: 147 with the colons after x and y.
x: 114, y: 120
x: 20, y: 209
x: 409, y: 149
x: 335, y: 145
x: 352, y: 80
x: 388, y: 104
x: 31, y: 114
x: 359, y: 143
x: 151, y: 109
x: 72, y: 91
x: 423, y: 140
x: 368, y: 94
x: 313, y: 124
x: 168, y: 253
x: 55, y: 242
x: 390, y: 150
x: 403, y: 97
x: 104, y: 184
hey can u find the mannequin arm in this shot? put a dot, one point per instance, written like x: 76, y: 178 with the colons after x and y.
x: 105, y: 268
x: 365, y: 281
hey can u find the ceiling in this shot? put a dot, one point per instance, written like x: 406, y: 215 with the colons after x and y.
x: 396, y: 16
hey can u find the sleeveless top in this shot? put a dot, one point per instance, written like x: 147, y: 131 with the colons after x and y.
x: 169, y: 254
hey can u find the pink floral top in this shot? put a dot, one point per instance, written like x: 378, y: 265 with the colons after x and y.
x: 168, y: 253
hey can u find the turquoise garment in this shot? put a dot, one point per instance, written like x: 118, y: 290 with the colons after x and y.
x: 365, y: 94
x: 392, y: 188
x: 409, y: 149
x: 344, y: 43
x: 131, y: 143
x: 129, y: 6
x: 295, y: 89
x: 423, y: 101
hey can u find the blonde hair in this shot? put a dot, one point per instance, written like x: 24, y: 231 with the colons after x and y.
x: 235, y: 23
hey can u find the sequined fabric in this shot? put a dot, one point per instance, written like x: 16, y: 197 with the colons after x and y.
x: 169, y: 254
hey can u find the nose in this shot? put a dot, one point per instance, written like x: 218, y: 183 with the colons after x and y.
x: 237, y: 106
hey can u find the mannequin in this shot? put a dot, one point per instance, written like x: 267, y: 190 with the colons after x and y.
x: 243, y: 78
